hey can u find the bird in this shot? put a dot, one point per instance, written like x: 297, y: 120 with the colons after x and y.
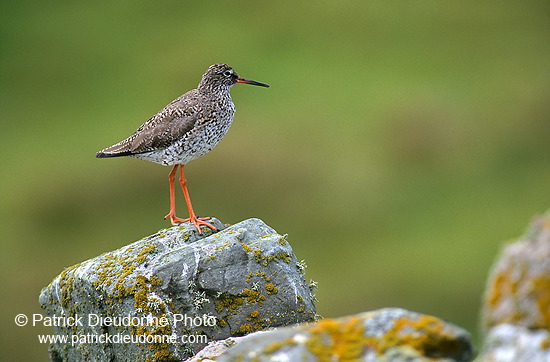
x: 187, y: 128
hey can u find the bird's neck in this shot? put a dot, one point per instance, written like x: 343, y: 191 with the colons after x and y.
x: 216, y: 90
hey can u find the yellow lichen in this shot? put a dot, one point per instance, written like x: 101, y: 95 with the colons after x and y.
x: 265, y: 260
x: 253, y: 296
x: 337, y: 340
x: 541, y: 291
x: 282, y: 239
x: 281, y: 255
x: 229, y: 302
x: 424, y: 334
x: 344, y: 340
x: 495, y: 291
x: 155, y: 281
x: 275, y: 346
x: 163, y: 356
x: 271, y: 288
x: 244, y: 329
x: 113, y: 278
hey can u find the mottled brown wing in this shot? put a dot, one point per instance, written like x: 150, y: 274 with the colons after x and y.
x: 157, y: 133
x: 166, y: 131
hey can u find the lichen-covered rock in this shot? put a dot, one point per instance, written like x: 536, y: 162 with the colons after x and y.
x: 516, y: 312
x: 518, y: 290
x: 390, y: 334
x: 166, y: 296
x: 508, y: 343
x: 216, y: 348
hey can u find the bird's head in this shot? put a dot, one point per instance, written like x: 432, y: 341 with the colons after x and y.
x: 223, y: 76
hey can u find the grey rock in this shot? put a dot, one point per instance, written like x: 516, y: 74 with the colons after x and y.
x: 516, y: 308
x: 389, y: 334
x: 518, y: 290
x: 215, y: 348
x: 509, y: 343
x: 181, y: 290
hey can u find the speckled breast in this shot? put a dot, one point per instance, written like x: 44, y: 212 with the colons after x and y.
x: 200, y: 140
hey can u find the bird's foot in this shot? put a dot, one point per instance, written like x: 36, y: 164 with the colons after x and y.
x: 197, y: 221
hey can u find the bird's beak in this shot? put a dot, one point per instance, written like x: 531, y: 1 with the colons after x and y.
x: 248, y: 81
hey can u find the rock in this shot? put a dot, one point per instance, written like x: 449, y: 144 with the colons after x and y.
x: 166, y: 296
x: 215, y: 348
x: 518, y: 290
x: 516, y: 312
x: 509, y: 343
x: 390, y: 334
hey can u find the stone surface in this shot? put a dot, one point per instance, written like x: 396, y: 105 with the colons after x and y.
x: 215, y: 348
x: 243, y: 278
x: 516, y: 312
x: 518, y: 291
x: 390, y: 334
x: 508, y: 343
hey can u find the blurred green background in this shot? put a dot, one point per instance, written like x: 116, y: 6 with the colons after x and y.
x: 399, y: 145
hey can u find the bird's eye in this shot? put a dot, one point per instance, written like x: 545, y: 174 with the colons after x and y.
x: 228, y: 73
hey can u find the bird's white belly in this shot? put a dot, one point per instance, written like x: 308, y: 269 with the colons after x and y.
x: 194, y: 144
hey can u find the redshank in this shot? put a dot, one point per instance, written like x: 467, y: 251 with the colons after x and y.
x: 186, y: 129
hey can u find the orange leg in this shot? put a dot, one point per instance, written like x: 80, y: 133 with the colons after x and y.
x: 172, y: 214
